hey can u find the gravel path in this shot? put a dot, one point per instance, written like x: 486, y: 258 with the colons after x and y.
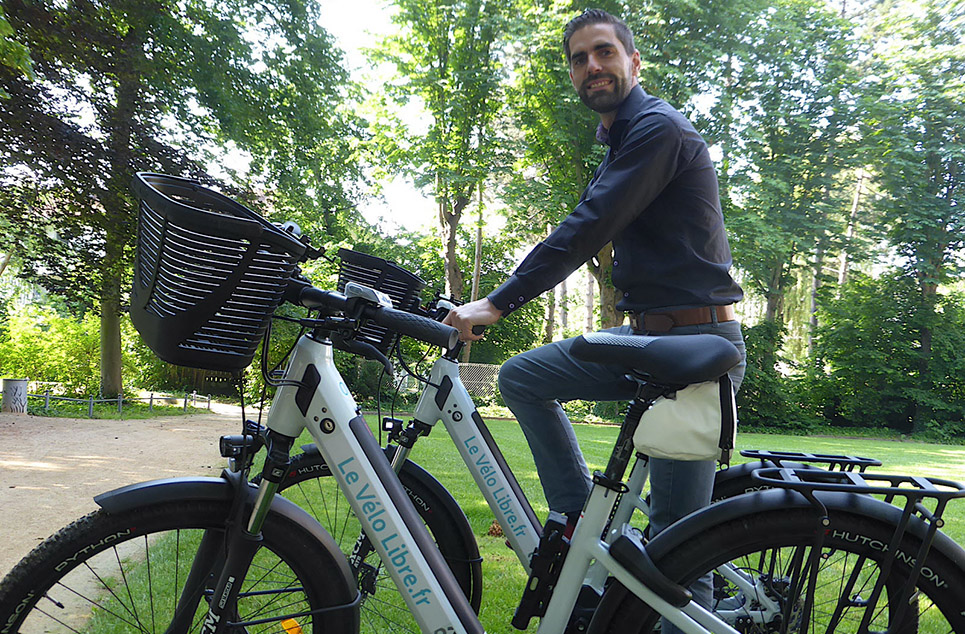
x: 51, y: 468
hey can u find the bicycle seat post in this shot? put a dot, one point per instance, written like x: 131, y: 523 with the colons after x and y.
x: 646, y: 394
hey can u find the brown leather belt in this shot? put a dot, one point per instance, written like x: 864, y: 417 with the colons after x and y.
x: 664, y: 321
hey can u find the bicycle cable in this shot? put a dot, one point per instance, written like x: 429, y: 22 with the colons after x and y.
x: 265, y: 347
x: 397, y: 351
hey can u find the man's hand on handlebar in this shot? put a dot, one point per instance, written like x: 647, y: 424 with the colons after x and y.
x: 478, y: 313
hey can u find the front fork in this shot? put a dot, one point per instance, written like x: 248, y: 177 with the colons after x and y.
x: 232, y: 550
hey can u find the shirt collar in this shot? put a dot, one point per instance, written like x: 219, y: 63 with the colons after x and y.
x: 630, y: 107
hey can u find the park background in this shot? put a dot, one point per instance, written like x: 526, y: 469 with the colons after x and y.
x: 836, y: 128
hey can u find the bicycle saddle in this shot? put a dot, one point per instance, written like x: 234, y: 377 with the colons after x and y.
x: 668, y: 359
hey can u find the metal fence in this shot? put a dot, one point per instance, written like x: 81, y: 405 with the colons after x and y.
x: 151, y: 399
x: 479, y: 379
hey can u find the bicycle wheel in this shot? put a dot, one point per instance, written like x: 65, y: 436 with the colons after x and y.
x: 126, y: 572
x: 308, y: 485
x: 766, y: 550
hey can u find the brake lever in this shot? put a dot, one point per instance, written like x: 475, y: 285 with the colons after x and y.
x: 363, y: 349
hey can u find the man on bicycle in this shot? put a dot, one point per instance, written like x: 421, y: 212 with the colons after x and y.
x: 655, y: 197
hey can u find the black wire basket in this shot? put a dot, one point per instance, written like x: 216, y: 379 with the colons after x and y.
x: 208, y: 273
x: 400, y: 285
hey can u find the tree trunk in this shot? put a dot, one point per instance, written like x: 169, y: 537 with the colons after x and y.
x: 6, y: 261
x: 449, y: 222
x: 111, y: 385
x: 922, y: 413
x: 118, y: 222
x: 775, y: 295
x: 815, y: 286
x: 476, y: 268
x: 550, y: 322
x: 564, y: 313
x: 849, y: 236
x: 609, y: 296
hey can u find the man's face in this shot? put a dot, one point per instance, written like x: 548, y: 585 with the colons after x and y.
x: 600, y: 68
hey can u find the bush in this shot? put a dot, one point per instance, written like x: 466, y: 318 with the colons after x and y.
x: 41, y: 345
x: 765, y: 399
x: 868, y: 367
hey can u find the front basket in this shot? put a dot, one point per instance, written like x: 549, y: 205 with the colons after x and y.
x: 208, y: 273
x: 400, y: 285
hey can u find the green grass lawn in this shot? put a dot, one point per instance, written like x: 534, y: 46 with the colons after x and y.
x: 503, y: 576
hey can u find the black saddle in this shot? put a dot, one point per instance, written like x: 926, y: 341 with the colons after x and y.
x: 668, y: 359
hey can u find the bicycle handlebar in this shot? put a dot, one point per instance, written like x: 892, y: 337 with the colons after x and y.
x: 407, y: 324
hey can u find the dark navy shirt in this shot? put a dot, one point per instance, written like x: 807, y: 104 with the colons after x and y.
x: 655, y: 198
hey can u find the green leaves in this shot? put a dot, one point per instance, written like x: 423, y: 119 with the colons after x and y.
x: 446, y: 57
x: 915, y: 106
x: 13, y: 55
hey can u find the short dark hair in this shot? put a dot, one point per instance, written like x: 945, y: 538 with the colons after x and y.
x: 597, y: 16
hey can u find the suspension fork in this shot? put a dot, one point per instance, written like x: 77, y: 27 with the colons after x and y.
x: 232, y: 550
x: 219, y: 550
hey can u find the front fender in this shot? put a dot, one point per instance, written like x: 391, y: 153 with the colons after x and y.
x: 221, y: 490
x: 166, y: 490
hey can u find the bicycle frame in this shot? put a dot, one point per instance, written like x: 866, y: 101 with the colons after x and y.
x: 321, y: 402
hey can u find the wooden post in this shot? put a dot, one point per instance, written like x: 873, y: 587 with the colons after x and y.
x: 120, y: 403
x: 150, y: 405
x: 14, y: 396
x: 90, y: 407
x: 47, y: 400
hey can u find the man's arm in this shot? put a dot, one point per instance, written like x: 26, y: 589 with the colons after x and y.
x: 478, y: 313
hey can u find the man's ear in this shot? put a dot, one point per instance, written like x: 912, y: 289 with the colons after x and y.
x: 635, y: 62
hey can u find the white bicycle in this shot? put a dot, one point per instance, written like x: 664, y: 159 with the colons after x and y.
x: 817, y: 550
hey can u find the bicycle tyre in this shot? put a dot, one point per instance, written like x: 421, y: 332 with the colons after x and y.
x: 123, y: 572
x: 309, y: 485
x: 776, y: 532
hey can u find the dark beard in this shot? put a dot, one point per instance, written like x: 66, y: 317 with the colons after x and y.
x: 604, y: 101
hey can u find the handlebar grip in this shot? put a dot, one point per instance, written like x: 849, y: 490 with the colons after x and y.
x: 311, y: 297
x: 416, y: 326
x: 408, y: 324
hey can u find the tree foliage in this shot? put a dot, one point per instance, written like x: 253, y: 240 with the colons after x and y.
x: 446, y: 57
x: 13, y: 55
x: 795, y: 108
x: 128, y: 85
x: 916, y: 105
x: 820, y: 116
x: 866, y: 358
x: 553, y: 139
x: 42, y: 345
